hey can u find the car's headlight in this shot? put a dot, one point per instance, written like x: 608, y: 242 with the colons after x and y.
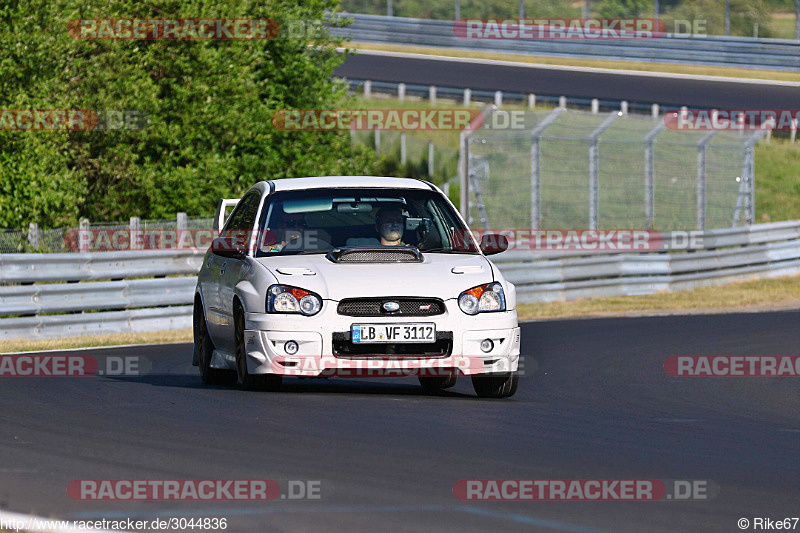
x: 287, y: 299
x: 483, y: 299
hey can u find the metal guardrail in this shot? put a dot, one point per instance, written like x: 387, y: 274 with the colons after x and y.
x: 79, y: 305
x: 90, y: 306
x: 764, y: 250
x: 709, y: 50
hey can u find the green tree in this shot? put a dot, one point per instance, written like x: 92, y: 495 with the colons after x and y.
x: 209, y: 104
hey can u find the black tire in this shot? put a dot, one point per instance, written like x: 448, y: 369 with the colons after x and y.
x: 262, y: 382
x: 435, y: 383
x: 496, y: 385
x: 205, y: 349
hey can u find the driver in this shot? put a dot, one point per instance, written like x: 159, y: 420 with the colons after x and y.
x: 289, y: 230
x: 390, y: 225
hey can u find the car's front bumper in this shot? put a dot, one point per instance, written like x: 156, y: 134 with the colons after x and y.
x: 317, y: 355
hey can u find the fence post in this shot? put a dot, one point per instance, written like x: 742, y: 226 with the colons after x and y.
x: 793, y: 127
x: 463, y: 161
x: 430, y: 159
x: 498, y: 98
x: 463, y: 170
x: 562, y: 101
x: 401, y: 91
x: 83, y: 235
x: 701, y: 179
x: 181, y: 225
x: 33, y: 235
x: 432, y: 94
x: 649, y: 174
x: 595, y: 106
x: 536, y: 172
x: 747, y: 182
x: 623, y: 107
x: 594, y: 163
x: 133, y: 226
x: 368, y: 89
x: 403, y: 148
x: 654, y: 110
x: 532, y: 101
x: 467, y: 97
x: 377, y: 140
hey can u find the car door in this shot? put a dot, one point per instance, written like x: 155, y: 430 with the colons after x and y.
x: 217, y: 266
x: 208, y: 278
x: 231, y: 271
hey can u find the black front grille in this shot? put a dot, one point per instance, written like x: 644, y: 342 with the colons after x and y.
x: 344, y: 347
x: 375, y: 254
x: 374, y: 307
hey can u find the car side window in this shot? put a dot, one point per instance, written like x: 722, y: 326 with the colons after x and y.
x: 250, y: 211
x: 239, y: 218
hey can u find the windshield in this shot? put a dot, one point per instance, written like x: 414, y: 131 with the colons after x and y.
x: 316, y: 221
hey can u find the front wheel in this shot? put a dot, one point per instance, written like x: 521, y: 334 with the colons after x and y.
x: 205, y: 351
x: 496, y: 385
x: 248, y: 381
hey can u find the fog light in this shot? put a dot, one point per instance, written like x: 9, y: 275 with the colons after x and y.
x: 487, y: 345
x: 291, y: 347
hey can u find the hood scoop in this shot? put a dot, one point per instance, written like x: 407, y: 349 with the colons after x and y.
x: 296, y: 271
x: 375, y: 254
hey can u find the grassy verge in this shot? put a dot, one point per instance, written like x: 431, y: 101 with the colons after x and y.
x: 86, y: 341
x: 755, y: 295
x: 673, y: 68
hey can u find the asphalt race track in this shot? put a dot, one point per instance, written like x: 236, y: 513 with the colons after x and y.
x: 599, y: 406
x: 668, y: 91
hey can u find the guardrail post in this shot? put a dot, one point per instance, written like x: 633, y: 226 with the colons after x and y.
x: 83, y: 235
x: 467, y: 96
x: 389, y: 7
x: 701, y: 179
x: 793, y: 127
x: 401, y: 91
x: 133, y: 225
x: 403, y: 148
x: 623, y: 107
x: 498, y: 98
x: 536, y: 161
x: 33, y: 235
x: 595, y: 106
x: 532, y: 99
x: 649, y: 175
x: 377, y: 140
x: 562, y: 101
x: 432, y: 94
x: 594, y: 163
x: 368, y: 89
x: 430, y: 159
x: 654, y: 110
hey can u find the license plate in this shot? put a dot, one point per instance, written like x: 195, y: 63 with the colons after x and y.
x: 392, y: 333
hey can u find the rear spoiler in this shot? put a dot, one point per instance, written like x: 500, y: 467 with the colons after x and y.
x: 222, y: 212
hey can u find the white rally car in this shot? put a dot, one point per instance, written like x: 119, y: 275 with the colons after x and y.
x: 324, y: 276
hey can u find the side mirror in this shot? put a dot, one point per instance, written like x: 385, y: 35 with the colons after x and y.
x: 494, y: 243
x: 235, y: 247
